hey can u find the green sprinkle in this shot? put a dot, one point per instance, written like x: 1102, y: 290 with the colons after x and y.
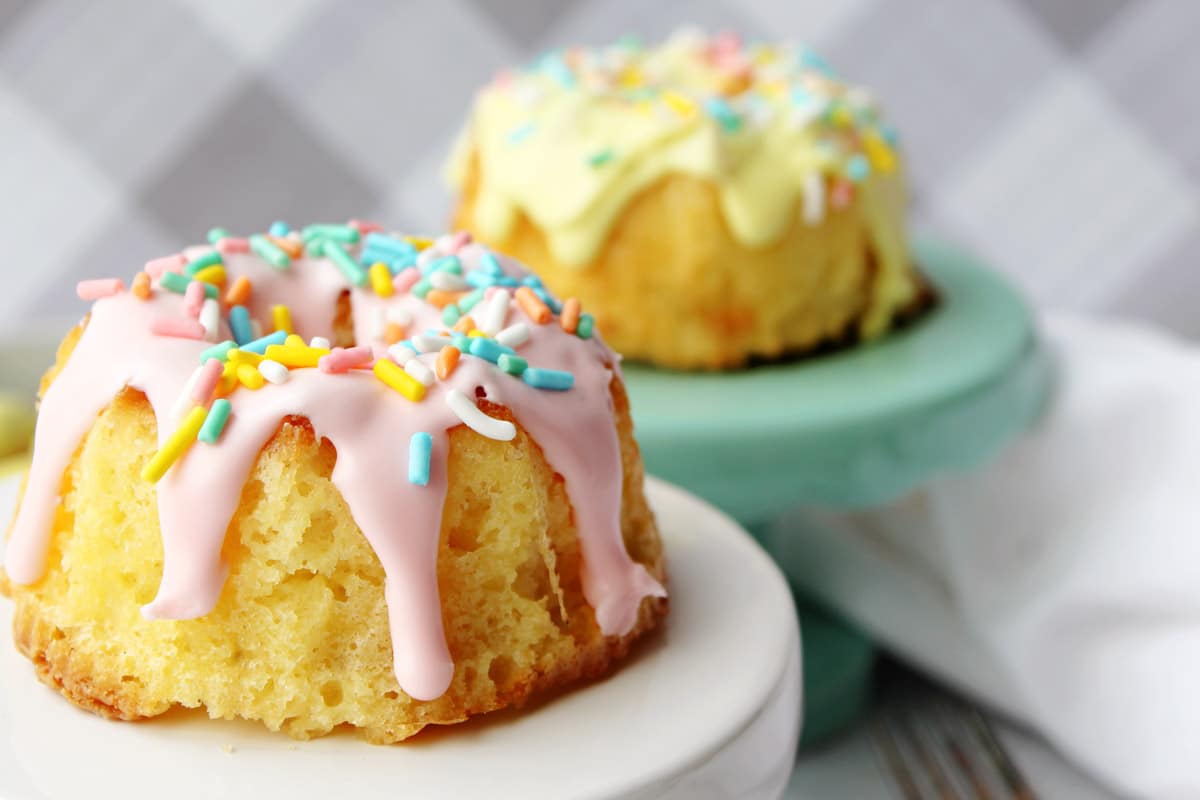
x: 217, y: 234
x: 513, y: 365
x: 353, y: 271
x: 600, y: 158
x: 206, y: 260
x: 471, y: 300
x: 214, y: 424
x: 586, y: 325
x: 174, y: 282
x: 421, y: 288
x: 451, y: 315
x: 269, y: 252
x: 449, y: 264
x: 338, y: 233
x: 218, y: 351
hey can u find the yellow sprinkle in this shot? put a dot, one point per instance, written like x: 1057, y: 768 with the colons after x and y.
x: 681, y: 105
x: 395, y: 376
x: 175, y: 446
x: 477, y: 333
x: 295, y: 341
x: 882, y: 156
x: 214, y: 275
x: 381, y: 279
x: 249, y: 376
x: 774, y: 89
x: 282, y: 317
x: 295, y: 357
x: 631, y: 78
x: 419, y: 242
x: 237, y: 357
x: 841, y: 116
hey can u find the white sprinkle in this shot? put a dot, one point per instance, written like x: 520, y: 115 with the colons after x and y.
x: 400, y: 353
x: 401, y: 316
x: 321, y: 342
x: 186, y: 401
x: 273, y: 371
x: 256, y: 329
x: 378, y: 321
x: 427, y: 255
x: 514, y: 335
x: 429, y: 344
x: 416, y: 368
x: 813, y: 191
x: 448, y: 282
x: 210, y: 319
x: 495, y: 313
x: 476, y: 420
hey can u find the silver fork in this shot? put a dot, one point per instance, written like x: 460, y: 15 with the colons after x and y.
x: 935, y: 745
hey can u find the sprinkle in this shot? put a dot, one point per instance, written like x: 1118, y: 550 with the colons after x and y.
x: 249, y: 376
x: 447, y: 360
x: 406, y: 278
x: 470, y: 300
x: 364, y: 227
x: 813, y: 196
x: 392, y: 333
x: 232, y: 244
x: 600, y: 157
x: 239, y: 323
x: 420, y: 371
x: 464, y: 324
x: 239, y: 293
x: 858, y: 168
x: 204, y: 382
x: 470, y: 415
x: 569, y: 319
x: 549, y: 300
x: 532, y: 305
x: 586, y: 325
x: 532, y: 281
x: 175, y: 446
x: 180, y: 327
x: 381, y: 279
x: 882, y: 157
x: 401, y: 353
x: 97, y: 289
x: 156, y: 267
x: 214, y: 275
x: 217, y: 234
x: 448, y: 281
x: 428, y: 344
x: 141, y: 286
x: 218, y: 351
x: 273, y: 371
x: 296, y: 357
x: 420, y: 453
x: 722, y: 112
x: 210, y: 319
x: 261, y: 344
x: 495, y: 312
x: 451, y: 315
x: 193, y: 298
x: 174, y: 282
x: 514, y: 335
x: 394, y: 248
x: 395, y: 377
x: 214, y: 425
x: 440, y: 298
x: 449, y: 264
x: 490, y: 264
x: 209, y: 259
x: 355, y: 274
x: 270, y: 252
x: 244, y: 357
x: 344, y: 234
x: 419, y: 242
x: 293, y: 247
x: 343, y: 360
x: 281, y: 317
x: 279, y: 228
x: 488, y: 349
x: 512, y: 364
x: 841, y: 194
x: 552, y: 379
x: 681, y: 105
x: 480, y: 279
x: 521, y: 133
x: 458, y: 241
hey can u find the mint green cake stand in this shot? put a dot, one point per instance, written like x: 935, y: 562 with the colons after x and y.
x: 853, y: 428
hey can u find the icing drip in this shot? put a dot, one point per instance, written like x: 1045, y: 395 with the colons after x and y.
x: 368, y: 424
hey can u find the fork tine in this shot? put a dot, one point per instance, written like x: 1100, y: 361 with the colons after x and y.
x: 887, y: 746
x: 1011, y: 775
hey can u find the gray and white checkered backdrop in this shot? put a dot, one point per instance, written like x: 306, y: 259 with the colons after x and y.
x: 1059, y: 139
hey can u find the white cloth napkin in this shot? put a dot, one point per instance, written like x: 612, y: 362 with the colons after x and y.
x: 1061, y: 583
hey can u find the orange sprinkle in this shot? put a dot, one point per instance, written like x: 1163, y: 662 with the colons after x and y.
x: 441, y: 298
x: 569, y: 318
x: 447, y: 360
x: 293, y: 248
x: 532, y: 305
x: 239, y: 292
x: 393, y: 332
x: 141, y: 286
x: 465, y: 324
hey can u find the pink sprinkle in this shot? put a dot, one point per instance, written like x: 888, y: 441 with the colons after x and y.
x: 193, y: 298
x: 96, y: 289
x: 841, y: 194
x: 181, y: 327
x: 363, y: 227
x: 342, y: 360
x: 232, y: 244
x: 206, y: 382
x: 406, y: 279
x: 457, y: 242
x: 726, y: 41
x: 156, y: 267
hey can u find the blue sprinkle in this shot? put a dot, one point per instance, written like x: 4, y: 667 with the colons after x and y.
x: 471, y: 300
x: 551, y: 379
x: 858, y: 168
x: 386, y: 244
x: 723, y: 113
x: 480, y: 280
x: 810, y: 59
x: 489, y: 349
x: 549, y: 300
x: 490, y: 264
x: 506, y: 280
x: 533, y: 281
x: 408, y: 343
x: 239, y: 323
x: 445, y: 264
x: 552, y: 64
x: 420, y: 453
x: 260, y: 345
x: 279, y: 228
x: 521, y: 133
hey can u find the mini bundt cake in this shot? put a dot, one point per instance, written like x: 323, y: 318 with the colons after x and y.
x: 331, y: 477
x: 712, y: 203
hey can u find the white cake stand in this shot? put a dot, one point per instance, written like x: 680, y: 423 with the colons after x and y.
x: 707, y: 709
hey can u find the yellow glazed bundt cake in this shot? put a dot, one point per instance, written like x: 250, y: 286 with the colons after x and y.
x: 712, y: 203
x: 430, y: 513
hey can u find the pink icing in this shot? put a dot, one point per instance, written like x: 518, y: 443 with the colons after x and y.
x: 368, y: 424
